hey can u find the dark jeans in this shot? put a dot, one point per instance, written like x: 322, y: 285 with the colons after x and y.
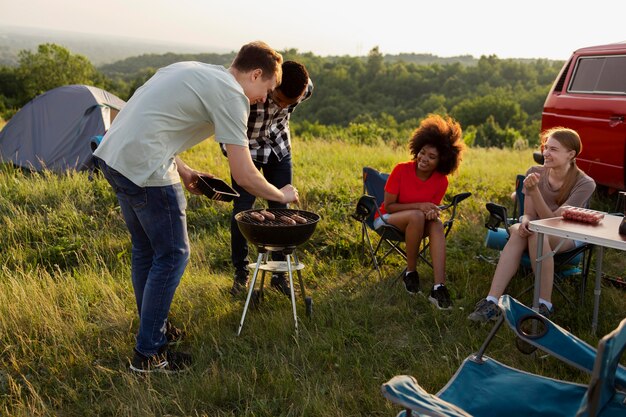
x: 156, y: 220
x: 278, y: 173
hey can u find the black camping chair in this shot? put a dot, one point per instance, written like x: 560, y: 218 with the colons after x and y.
x: 569, y: 263
x: 390, y: 238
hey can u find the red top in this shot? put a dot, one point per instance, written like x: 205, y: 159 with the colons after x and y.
x: 405, y: 183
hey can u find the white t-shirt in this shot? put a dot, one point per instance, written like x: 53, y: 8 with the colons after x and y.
x: 179, y: 107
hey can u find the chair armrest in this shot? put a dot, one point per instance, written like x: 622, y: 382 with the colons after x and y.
x: 364, y: 208
x: 497, y: 215
x: 552, y: 338
x: 447, y: 225
x: 608, y: 374
x: 455, y: 200
x: 404, y: 391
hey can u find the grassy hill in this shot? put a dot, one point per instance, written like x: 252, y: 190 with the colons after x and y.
x: 67, y: 314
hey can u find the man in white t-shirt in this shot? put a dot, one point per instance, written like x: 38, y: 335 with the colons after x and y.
x: 180, y: 106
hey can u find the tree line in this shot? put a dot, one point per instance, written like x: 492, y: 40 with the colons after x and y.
x: 497, y: 101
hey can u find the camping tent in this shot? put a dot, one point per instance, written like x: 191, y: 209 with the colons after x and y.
x: 53, y: 130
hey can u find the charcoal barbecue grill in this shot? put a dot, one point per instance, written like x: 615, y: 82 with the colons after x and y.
x: 276, y: 235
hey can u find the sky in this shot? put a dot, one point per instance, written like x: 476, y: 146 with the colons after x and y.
x: 550, y: 29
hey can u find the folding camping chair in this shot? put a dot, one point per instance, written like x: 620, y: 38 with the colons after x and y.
x: 390, y: 237
x: 483, y: 386
x: 575, y: 261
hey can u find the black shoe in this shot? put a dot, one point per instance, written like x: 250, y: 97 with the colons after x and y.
x: 166, y: 361
x: 412, y: 282
x: 485, y: 311
x: 240, y: 283
x: 441, y: 298
x: 173, y: 333
x: 280, y: 284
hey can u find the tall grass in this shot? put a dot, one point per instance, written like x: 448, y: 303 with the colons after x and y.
x: 67, y: 314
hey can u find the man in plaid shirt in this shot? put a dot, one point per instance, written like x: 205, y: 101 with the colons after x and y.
x: 270, y: 147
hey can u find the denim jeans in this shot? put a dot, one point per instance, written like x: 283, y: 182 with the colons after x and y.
x: 278, y: 173
x: 156, y: 220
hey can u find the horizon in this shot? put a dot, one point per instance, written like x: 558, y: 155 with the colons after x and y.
x: 192, y: 48
x: 340, y: 28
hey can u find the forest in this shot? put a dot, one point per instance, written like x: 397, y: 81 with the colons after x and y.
x: 360, y: 99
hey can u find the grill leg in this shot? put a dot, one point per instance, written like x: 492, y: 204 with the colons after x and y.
x: 262, y: 283
x: 293, y: 295
x: 302, y: 290
x: 251, y: 290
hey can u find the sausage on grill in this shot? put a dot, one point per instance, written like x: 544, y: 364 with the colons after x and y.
x: 298, y: 219
x: 257, y: 216
x: 287, y: 220
x: 267, y: 215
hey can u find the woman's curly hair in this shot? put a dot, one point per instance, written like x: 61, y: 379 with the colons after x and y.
x: 445, y: 135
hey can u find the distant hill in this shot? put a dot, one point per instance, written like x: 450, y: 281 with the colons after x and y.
x: 427, y: 59
x: 130, y: 67
x: 99, y: 49
x: 126, y: 57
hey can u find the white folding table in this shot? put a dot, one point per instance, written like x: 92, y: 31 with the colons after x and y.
x: 604, y: 234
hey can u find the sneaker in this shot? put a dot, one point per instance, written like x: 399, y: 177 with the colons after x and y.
x: 166, y: 361
x: 485, y: 310
x: 280, y: 284
x: 412, y: 282
x: 441, y: 298
x: 240, y: 283
x: 545, y: 311
x: 173, y: 333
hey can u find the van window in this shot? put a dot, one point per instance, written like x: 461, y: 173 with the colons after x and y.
x: 599, y: 75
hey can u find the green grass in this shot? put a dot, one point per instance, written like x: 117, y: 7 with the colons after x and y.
x: 67, y: 314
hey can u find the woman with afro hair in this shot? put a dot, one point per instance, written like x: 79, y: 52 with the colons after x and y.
x: 414, y: 191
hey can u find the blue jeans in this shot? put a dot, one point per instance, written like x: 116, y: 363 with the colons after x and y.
x: 156, y: 220
x: 278, y: 173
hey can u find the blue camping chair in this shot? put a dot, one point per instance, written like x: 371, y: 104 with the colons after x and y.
x: 483, y: 386
x: 390, y: 237
x: 575, y: 261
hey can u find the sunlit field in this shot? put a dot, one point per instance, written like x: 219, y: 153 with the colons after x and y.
x: 67, y: 313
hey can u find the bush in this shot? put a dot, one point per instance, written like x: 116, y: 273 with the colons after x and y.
x: 491, y: 134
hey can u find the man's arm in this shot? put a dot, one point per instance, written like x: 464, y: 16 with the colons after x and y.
x: 188, y: 176
x: 249, y: 177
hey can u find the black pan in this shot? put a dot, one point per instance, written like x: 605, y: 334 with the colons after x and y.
x: 216, y: 189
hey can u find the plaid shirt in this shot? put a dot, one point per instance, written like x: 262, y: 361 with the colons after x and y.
x: 268, y: 128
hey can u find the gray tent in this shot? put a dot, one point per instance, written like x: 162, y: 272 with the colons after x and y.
x: 54, y: 130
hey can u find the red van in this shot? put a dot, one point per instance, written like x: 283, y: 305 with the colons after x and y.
x: 589, y: 96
